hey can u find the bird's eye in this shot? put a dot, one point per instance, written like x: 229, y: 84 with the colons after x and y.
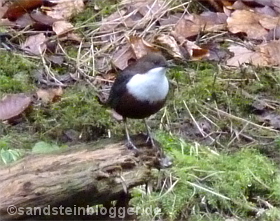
x: 157, y: 62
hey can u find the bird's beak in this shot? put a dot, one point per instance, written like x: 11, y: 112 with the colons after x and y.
x: 170, y: 64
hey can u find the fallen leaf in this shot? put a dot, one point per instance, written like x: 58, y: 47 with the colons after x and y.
x: 24, y: 21
x: 62, y: 27
x: 122, y: 56
x: 112, y: 21
x: 271, y: 119
x: 271, y: 52
x: 73, y: 37
x: 259, y: 107
x: 273, y: 34
x: 254, y: 25
x: 13, y: 105
x: 49, y: 95
x: 171, y: 19
x: 191, y: 25
x: 40, y: 19
x: 266, y: 11
x: 56, y: 59
x: 134, y: 14
x: 216, y: 52
x: 239, y: 5
x: 65, y: 9
x: 170, y: 44
x: 3, y: 9
x: 195, y: 51
x: 244, y: 55
x: 216, y: 5
x: 35, y: 44
x: 140, y: 46
x: 19, y: 8
x: 36, y: 19
x: 242, y: 21
x: 266, y: 54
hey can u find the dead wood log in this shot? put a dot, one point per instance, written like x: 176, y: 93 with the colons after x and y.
x: 87, y: 174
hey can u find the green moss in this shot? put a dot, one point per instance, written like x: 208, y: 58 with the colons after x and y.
x: 12, y: 64
x: 15, y: 73
x: 227, y: 184
x: 94, y: 12
x: 78, y: 110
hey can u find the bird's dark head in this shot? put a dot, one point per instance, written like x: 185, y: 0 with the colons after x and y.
x: 155, y: 60
x: 150, y: 61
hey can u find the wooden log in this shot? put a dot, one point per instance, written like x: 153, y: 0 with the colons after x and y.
x: 87, y: 174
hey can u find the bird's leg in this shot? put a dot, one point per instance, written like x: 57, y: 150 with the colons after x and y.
x: 129, y: 144
x: 149, y: 139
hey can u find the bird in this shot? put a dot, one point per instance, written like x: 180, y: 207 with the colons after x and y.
x: 139, y: 91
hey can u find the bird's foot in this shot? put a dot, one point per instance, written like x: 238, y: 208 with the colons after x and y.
x: 150, y: 141
x: 132, y: 147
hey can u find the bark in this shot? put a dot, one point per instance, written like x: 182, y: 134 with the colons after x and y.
x: 84, y: 175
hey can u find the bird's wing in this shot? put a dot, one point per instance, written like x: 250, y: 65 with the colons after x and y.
x: 119, y: 87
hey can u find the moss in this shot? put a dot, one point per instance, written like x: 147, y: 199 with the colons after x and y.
x: 226, y: 184
x: 78, y: 110
x: 15, y: 73
x: 94, y: 12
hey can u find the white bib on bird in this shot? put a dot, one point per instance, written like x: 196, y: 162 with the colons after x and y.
x: 152, y: 86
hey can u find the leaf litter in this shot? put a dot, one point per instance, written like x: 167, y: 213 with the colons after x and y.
x: 236, y: 33
x: 137, y: 28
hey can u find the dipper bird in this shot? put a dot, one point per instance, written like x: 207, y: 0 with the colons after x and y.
x: 140, y: 90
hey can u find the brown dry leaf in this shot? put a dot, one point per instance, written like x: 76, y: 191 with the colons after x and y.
x: 244, y: 55
x: 62, y: 27
x: 24, y: 21
x: 216, y: 52
x: 170, y: 44
x: 112, y: 21
x: 226, y: 3
x: 3, y: 9
x: 266, y: 10
x: 65, y: 9
x: 269, y: 22
x: 35, y: 44
x: 193, y: 24
x: 19, y: 8
x: 273, y: 34
x: 196, y: 52
x: 36, y: 19
x: 271, y: 119
x: 171, y: 19
x: 49, y: 95
x: 134, y: 14
x: 246, y: 22
x: 217, y: 5
x: 13, y: 105
x: 239, y: 5
x: 56, y: 59
x: 266, y: 54
x: 191, y: 50
x: 74, y: 37
x: 271, y: 52
x: 255, y: 25
x: 42, y: 19
x: 140, y: 47
x: 122, y: 56
x: 276, y: 5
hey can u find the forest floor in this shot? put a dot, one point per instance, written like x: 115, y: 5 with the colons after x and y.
x: 220, y: 125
